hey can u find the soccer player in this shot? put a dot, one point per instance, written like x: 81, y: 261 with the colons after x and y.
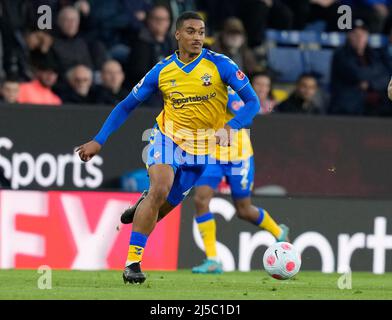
x: 193, y: 82
x: 236, y: 164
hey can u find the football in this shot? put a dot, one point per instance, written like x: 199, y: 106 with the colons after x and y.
x: 282, y: 261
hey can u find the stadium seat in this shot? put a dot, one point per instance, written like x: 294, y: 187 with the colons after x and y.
x: 332, y: 39
x: 292, y: 37
x: 377, y: 40
x: 324, y: 39
x: 319, y: 62
x: 287, y: 62
x: 309, y: 37
x: 293, y: 55
x: 272, y: 35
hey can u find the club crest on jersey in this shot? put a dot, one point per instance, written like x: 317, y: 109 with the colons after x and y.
x: 206, y: 80
x: 173, y: 83
x: 240, y: 75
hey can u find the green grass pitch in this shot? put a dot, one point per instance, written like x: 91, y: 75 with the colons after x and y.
x: 183, y: 285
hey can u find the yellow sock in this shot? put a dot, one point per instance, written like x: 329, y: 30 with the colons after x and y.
x: 266, y: 222
x: 135, y: 254
x: 207, y: 228
x: 136, y: 247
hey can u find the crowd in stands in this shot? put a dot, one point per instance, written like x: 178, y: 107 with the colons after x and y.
x: 98, y: 50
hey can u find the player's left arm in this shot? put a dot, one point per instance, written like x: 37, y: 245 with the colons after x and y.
x: 244, y: 117
x: 239, y: 82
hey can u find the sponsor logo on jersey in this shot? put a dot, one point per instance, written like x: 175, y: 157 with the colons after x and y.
x: 240, y: 75
x: 179, y: 100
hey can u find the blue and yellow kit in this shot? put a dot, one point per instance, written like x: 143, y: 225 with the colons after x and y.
x: 235, y: 162
x: 195, y: 97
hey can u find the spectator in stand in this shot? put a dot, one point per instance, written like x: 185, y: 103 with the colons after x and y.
x: 359, y: 76
x: 111, y: 90
x: 258, y: 15
x: 154, y: 43
x: 177, y: 7
x: 306, y: 98
x: 262, y: 84
x: 112, y: 22
x: 9, y: 91
x: 16, y: 16
x: 39, y: 90
x: 39, y: 41
x: 83, y: 6
x: 69, y: 48
x: 79, y: 87
x: 310, y: 11
x: 387, y: 52
x: 374, y: 12
x: 232, y: 42
x: 217, y: 12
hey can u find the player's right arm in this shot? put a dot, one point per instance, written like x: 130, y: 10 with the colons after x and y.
x: 141, y: 92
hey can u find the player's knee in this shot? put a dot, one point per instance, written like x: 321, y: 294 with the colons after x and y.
x: 159, y: 193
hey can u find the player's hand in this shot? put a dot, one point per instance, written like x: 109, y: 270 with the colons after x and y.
x: 88, y: 150
x: 390, y: 89
x: 224, y: 136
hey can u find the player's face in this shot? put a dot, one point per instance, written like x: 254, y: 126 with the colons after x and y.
x: 191, y: 36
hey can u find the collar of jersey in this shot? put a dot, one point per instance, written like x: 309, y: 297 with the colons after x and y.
x: 188, y: 67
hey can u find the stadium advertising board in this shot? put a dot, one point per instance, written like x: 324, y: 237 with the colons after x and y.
x: 307, y: 156
x: 77, y: 230
x: 37, y: 153
x: 81, y: 230
x: 333, y: 235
